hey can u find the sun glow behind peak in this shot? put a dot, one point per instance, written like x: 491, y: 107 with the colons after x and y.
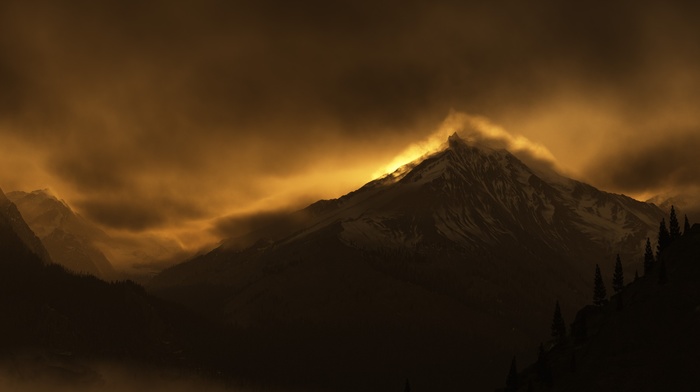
x: 473, y: 129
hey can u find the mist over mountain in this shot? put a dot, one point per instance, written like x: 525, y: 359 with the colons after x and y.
x: 64, y: 331
x: 68, y: 237
x: 685, y: 204
x: 81, y: 246
x: 13, y: 222
x: 463, y: 251
x: 324, y: 196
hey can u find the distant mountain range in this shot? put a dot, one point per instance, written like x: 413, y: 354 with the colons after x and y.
x: 59, y: 327
x: 68, y: 238
x: 12, y: 223
x: 81, y: 246
x: 436, y: 272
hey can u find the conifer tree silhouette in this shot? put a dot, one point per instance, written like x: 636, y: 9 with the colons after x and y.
x: 664, y: 238
x: 648, y: 258
x: 662, y: 272
x: 599, y: 293
x: 581, y: 327
x: 618, y: 277
x: 541, y: 361
x: 544, y: 371
x: 558, y: 325
x: 674, y: 228
x: 512, y: 380
x: 686, y: 225
x: 620, y: 300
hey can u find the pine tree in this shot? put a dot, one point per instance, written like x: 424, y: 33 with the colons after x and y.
x: 544, y: 372
x: 599, y: 294
x: 662, y: 272
x: 618, y: 278
x: 636, y: 275
x: 512, y: 380
x: 620, y: 300
x: 541, y: 359
x: 674, y: 229
x: 664, y: 238
x: 648, y: 258
x: 580, y: 328
x: 686, y: 226
x: 558, y: 325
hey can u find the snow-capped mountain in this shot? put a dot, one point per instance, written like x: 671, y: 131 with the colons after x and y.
x: 477, y: 197
x: 68, y: 238
x: 468, y: 245
x: 13, y: 221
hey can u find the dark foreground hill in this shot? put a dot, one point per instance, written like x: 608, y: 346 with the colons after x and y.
x: 55, y: 324
x: 648, y: 342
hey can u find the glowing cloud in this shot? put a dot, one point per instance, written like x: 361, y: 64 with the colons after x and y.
x: 474, y: 129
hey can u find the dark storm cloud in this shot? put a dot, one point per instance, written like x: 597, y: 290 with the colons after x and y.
x: 671, y: 162
x: 125, y: 212
x: 191, y: 109
x: 244, y: 229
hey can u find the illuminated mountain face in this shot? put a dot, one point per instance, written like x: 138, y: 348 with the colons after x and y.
x: 476, y: 197
x: 469, y: 234
x: 12, y: 221
x: 68, y: 238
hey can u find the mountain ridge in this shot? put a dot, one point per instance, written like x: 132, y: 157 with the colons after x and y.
x: 433, y: 167
x: 12, y: 218
x: 68, y: 238
x: 461, y: 235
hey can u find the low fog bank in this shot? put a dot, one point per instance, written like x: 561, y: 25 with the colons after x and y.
x: 38, y: 372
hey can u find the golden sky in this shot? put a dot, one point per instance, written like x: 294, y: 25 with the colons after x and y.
x: 165, y: 116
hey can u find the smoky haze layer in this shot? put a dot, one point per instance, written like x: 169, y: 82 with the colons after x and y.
x: 31, y: 373
x: 166, y: 115
x: 669, y: 163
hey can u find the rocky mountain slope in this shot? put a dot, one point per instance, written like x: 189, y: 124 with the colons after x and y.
x: 68, y: 238
x: 11, y: 220
x: 436, y: 272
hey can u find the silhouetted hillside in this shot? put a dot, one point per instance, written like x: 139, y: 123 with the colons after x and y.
x: 647, y: 342
x: 65, y: 319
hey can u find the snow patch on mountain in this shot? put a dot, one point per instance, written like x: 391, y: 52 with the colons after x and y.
x: 474, y: 196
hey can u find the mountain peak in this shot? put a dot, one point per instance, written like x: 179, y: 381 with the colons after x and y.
x: 67, y: 237
x: 11, y: 218
x: 474, y: 143
x: 455, y: 138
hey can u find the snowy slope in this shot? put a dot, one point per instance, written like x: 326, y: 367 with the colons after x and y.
x: 473, y: 196
x: 11, y: 217
x: 463, y: 251
x: 470, y: 200
x: 68, y: 238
